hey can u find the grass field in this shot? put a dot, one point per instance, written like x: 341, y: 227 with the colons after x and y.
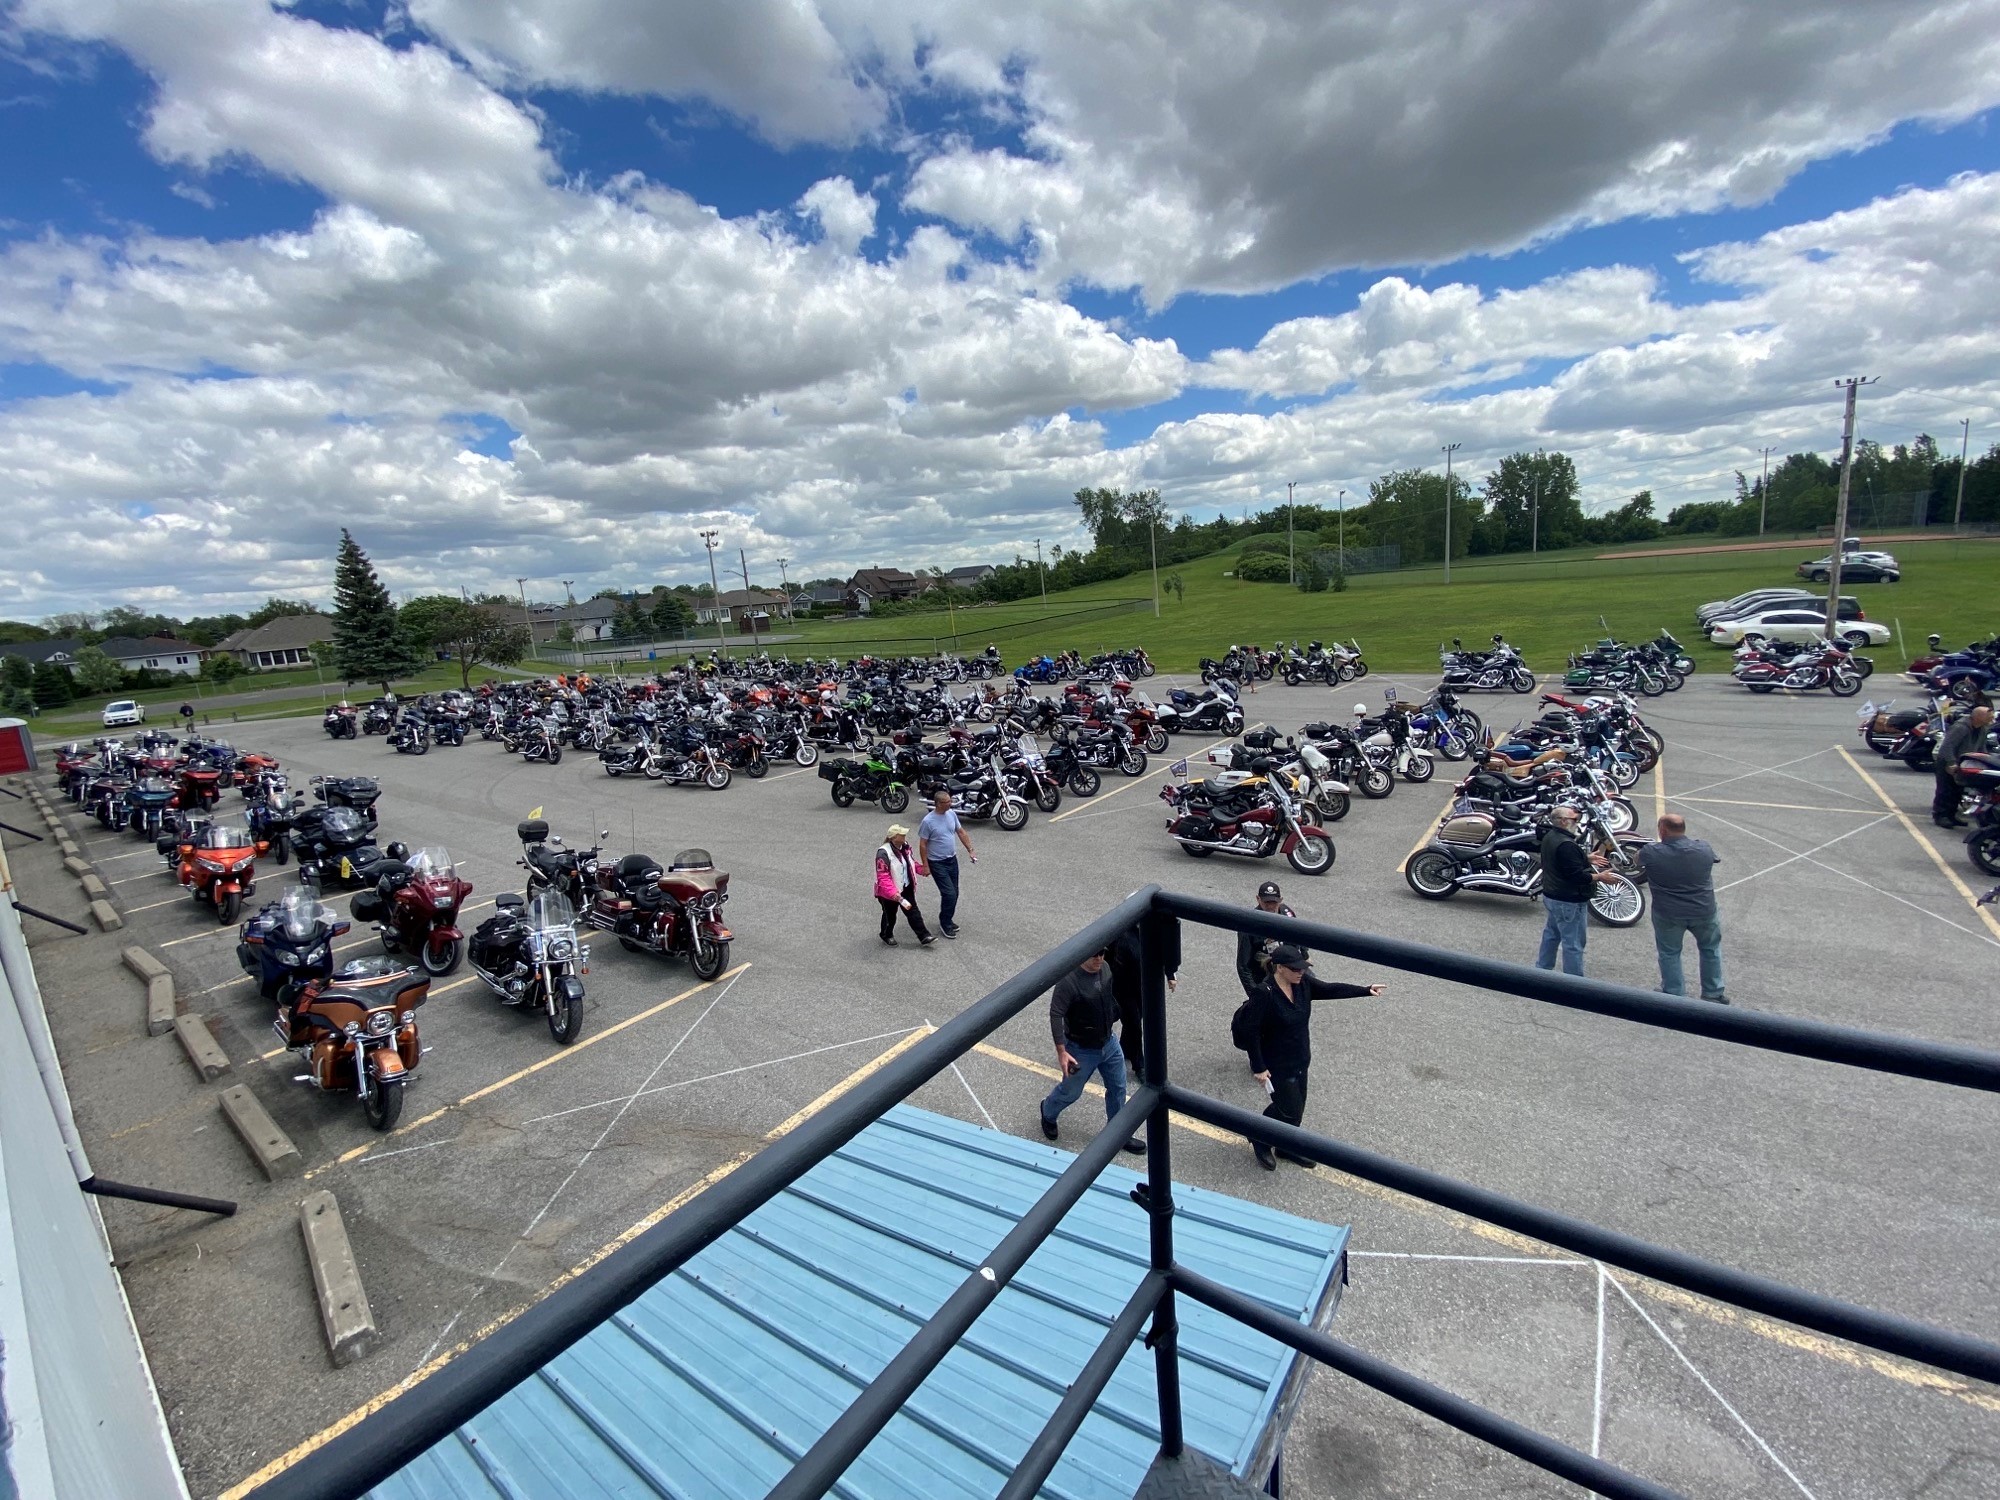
x: 1548, y: 606
x: 161, y: 703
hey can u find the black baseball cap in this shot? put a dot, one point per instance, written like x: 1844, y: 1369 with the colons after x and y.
x: 1290, y: 956
x: 1268, y: 891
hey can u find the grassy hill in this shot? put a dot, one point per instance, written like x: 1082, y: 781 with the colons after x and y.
x: 1548, y: 606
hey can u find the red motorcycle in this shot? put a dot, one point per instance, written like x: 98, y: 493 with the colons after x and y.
x: 218, y: 865
x: 414, y: 907
x: 1254, y: 819
x: 200, y: 787
x: 674, y: 913
x: 1828, y: 666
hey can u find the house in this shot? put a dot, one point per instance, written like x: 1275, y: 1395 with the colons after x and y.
x: 287, y: 641
x: 156, y: 653
x: 750, y: 608
x: 592, y: 620
x: 61, y: 653
x: 888, y: 583
x: 967, y: 577
x: 543, y: 619
x: 821, y: 596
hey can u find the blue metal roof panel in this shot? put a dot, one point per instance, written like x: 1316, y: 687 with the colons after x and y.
x: 716, y: 1380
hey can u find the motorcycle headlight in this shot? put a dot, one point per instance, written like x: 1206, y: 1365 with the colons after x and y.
x: 353, y: 1028
x: 289, y: 958
x: 408, y: 1018
x: 381, y: 1022
x: 562, y: 948
x: 209, y: 864
x: 317, y: 955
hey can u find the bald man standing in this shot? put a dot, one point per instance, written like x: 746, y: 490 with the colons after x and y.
x: 1681, y: 872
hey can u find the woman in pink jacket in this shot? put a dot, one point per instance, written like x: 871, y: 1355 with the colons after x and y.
x: 896, y: 872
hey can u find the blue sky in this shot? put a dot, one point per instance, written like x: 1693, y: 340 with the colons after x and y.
x: 885, y: 283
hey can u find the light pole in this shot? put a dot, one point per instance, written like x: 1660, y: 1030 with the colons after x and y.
x: 714, y: 589
x: 526, y: 618
x: 1853, y: 384
x: 1041, y: 573
x: 1291, y: 555
x: 569, y: 593
x: 1764, y: 493
x: 1535, y: 519
x: 1964, y: 437
x: 785, y: 584
x: 1341, y: 543
x: 1449, y: 449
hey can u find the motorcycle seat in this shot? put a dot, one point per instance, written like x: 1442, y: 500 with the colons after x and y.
x: 508, y: 901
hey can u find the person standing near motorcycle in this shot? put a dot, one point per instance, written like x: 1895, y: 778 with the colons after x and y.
x: 1681, y: 872
x: 1253, y: 954
x: 1568, y: 872
x: 896, y: 871
x: 1082, y: 1009
x: 1967, y: 733
x: 939, y: 833
x: 1279, y: 1031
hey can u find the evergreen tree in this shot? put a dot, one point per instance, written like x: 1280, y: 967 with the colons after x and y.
x: 368, y: 644
x: 53, y: 686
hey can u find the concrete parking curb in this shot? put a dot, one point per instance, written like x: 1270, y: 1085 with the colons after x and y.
x: 272, y: 1149
x: 343, y: 1304
x: 95, y: 888
x: 159, y: 989
x: 75, y: 866
x: 202, y: 1049
x: 107, y: 920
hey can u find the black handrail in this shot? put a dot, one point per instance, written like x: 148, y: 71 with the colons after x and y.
x: 365, y: 1454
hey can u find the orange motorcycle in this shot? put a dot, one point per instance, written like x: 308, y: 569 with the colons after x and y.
x: 218, y: 865
x: 357, y: 1031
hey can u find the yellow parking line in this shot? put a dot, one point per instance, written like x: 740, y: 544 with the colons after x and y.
x: 1659, y: 789
x: 1984, y: 913
x: 548, y: 1062
x: 1430, y: 832
x: 375, y: 1403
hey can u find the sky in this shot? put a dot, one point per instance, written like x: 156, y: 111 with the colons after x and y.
x: 543, y: 288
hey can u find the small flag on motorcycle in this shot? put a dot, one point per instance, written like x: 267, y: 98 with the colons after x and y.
x: 1179, y: 768
x: 535, y: 814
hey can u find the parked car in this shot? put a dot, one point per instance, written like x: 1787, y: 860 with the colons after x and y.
x: 1850, y: 608
x: 124, y: 711
x: 1717, y: 609
x: 1797, y: 624
x: 1855, y: 567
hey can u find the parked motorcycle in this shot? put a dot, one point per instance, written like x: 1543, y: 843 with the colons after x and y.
x: 529, y: 956
x: 414, y: 907
x: 871, y: 780
x: 1494, y: 851
x: 411, y: 735
x: 289, y: 941
x: 270, y: 811
x: 379, y: 717
x: 146, y: 804
x: 1389, y: 741
x: 1485, y: 671
x: 335, y: 846
x: 1217, y: 710
x: 358, y: 792
x: 1252, y: 820
x: 339, y: 723
x: 219, y: 868
x: 357, y: 1030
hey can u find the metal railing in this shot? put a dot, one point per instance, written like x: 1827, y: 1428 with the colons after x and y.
x: 373, y: 1449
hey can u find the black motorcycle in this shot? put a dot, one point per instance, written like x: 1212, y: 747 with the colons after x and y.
x: 1499, y: 850
x: 411, y: 736
x: 289, y: 941
x: 1485, y: 671
x: 339, y: 723
x: 358, y: 792
x: 379, y: 717
x: 528, y: 955
x: 335, y: 846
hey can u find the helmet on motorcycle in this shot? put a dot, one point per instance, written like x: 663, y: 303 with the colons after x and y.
x: 1361, y: 710
x: 397, y: 850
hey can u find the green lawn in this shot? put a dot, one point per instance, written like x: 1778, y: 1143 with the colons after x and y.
x: 1547, y: 606
x: 163, y: 703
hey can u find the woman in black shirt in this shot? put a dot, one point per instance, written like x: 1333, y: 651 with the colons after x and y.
x: 1280, y: 1035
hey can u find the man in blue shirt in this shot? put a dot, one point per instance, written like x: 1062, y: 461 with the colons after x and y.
x: 939, y: 833
x: 1681, y: 872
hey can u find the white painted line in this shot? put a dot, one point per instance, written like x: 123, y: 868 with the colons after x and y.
x: 688, y: 1083
x: 1597, y: 1397
x: 1924, y: 843
x: 195, y: 937
x: 1808, y: 854
x: 1708, y: 1386
x: 134, y: 854
x: 978, y: 1103
x: 1777, y: 770
x: 133, y: 911
x: 134, y: 879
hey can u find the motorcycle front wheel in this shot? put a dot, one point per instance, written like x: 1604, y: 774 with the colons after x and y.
x: 1345, y: 671
x: 1522, y: 681
x: 1311, y: 855
x: 1431, y: 875
x: 439, y: 961
x: 1375, y: 783
x: 281, y: 848
x: 566, y: 1020
x: 1360, y: 667
x: 1156, y: 740
x: 1843, y: 684
x: 1333, y: 807
x: 1133, y: 762
x: 555, y: 755
x: 717, y: 778
x: 1624, y: 771
x: 1012, y: 816
x: 1620, y: 816
x: 384, y: 1104
x: 1084, y: 781
x: 1419, y: 768
x: 807, y: 754
x: 1617, y: 902
x: 227, y: 908
x: 755, y: 767
x: 897, y: 798
x: 708, y: 958
x: 1048, y: 796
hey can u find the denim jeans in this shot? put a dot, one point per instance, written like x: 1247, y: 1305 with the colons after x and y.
x: 945, y: 873
x: 1567, y: 924
x: 1108, y: 1060
x: 1667, y: 935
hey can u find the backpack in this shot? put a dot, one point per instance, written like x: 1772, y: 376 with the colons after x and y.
x: 1242, y: 1026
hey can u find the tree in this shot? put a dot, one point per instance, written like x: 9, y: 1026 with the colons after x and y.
x: 1532, y: 499
x: 222, y: 667
x: 206, y: 630
x: 275, y: 608
x: 124, y: 620
x: 1406, y: 509
x: 1147, y: 513
x: 368, y: 645
x: 16, y: 672
x: 12, y: 631
x: 53, y: 686
x: 96, y: 673
x: 671, y: 615
x: 471, y: 633
x: 421, y: 617
x: 75, y: 623
x: 1178, y: 588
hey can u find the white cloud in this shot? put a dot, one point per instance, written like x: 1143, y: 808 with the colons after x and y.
x: 846, y: 217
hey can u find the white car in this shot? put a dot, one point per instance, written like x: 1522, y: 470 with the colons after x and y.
x: 124, y: 711
x: 1796, y: 625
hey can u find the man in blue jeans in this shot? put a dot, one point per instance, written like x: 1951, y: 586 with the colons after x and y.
x: 1568, y: 872
x: 1681, y: 872
x: 939, y: 833
x: 1082, y: 1008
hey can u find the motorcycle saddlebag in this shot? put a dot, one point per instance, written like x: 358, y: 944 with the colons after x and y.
x: 1577, y: 679
x: 1467, y: 829
x: 1979, y: 770
x: 532, y: 831
x: 494, y: 939
x: 368, y: 907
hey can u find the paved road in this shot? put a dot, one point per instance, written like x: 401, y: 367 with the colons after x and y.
x: 1872, y: 1189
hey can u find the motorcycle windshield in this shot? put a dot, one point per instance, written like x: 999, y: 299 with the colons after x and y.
x: 223, y: 836
x: 547, y: 909
x: 300, y: 912
x: 432, y: 863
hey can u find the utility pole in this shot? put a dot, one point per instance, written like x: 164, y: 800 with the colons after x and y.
x: 1342, y: 541
x: 1853, y: 384
x: 1041, y: 573
x: 1535, y: 518
x: 785, y: 584
x: 526, y: 618
x: 1291, y: 554
x: 1964, y: 437
x: 1153, y: 536
x: 715, y: 589
x: 1449, y: 449
x: 568, y: 592
x: 1764, y: 493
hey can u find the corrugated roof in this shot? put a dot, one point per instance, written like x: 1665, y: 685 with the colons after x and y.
x: 714, y: 1382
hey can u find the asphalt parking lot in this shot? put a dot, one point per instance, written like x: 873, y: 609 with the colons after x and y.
x: 518, y: 1161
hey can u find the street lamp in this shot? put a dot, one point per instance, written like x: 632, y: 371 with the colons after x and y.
x: 1291, y: 553
x: 1342, y: 543
x: 785, y: 585
x: 715, y: 589
x: 526, y: 618
x: 1449, y: 449
x: 1964, y: 437
x: 1041, y: 573
x: 1764, y: 492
